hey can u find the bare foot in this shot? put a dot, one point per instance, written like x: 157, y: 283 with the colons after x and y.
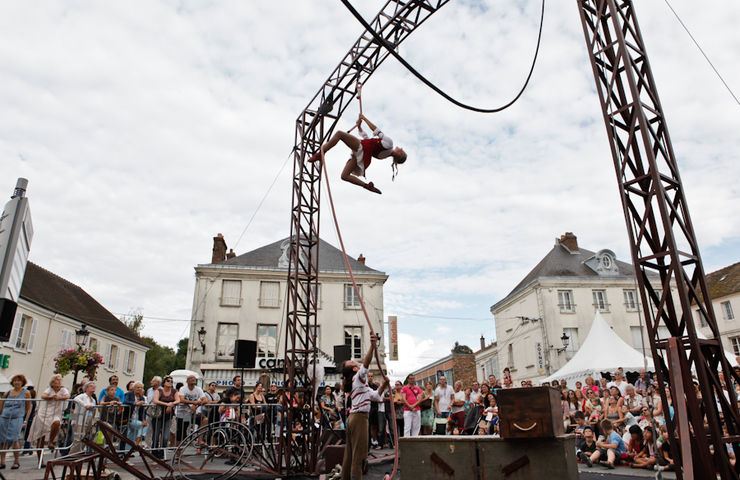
x: 372, y: 188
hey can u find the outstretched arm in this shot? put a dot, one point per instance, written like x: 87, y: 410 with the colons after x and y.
x: 370, y: 351
x: 369, y: 123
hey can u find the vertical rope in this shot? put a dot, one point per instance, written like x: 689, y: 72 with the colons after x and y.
x: 362, y: 303
x: 359, y: 99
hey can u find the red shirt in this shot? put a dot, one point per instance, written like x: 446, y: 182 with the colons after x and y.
x: 412, y: 393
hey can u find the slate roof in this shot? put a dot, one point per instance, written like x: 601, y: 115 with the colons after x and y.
x: 330, y: 259
x: 725, y: 281
x: 560, y: 262
x: 51, y: 291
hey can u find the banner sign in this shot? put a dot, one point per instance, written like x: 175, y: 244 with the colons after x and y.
x: 393, y: 354
x: 540, y: 357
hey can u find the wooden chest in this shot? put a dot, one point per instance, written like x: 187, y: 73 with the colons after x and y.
x: 535, y: 412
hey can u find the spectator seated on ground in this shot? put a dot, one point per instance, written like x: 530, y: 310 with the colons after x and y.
x: 588, y: 447
x: 581, y: 424
x: 665, y: 457
x: 610, y: 446
x: 634, y: 445
x: 646, y: 457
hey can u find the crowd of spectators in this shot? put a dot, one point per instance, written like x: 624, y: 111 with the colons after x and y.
x: 614, y: 421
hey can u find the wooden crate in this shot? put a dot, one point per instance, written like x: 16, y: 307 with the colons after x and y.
x: 530, y: 412
x: 469, y: 457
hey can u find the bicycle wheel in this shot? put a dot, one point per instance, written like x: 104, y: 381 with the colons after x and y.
x: 220, y: 450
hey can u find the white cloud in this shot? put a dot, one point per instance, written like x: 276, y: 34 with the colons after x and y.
x: 145, y: 131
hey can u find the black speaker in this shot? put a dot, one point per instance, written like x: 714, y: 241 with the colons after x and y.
x: 245, y: 353
x: 7, y: 315
x: 342, y: 353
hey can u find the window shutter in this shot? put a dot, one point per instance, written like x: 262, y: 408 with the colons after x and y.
x: 270, y: 294
x: 32, y: 336
x: 231, y: 292
x: 15, y: 330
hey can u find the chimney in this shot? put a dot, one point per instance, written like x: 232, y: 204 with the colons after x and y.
x: 482, y: 342
x: 569, y: 241
x: 219, y: 249
x: 231, y: 254
x: 361, y: 259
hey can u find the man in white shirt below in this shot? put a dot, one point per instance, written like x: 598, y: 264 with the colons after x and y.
x: 475, y: 392
x: 355, y: 381
x: 443, y: 398
x: 457, y: 411
x: 191, y: 397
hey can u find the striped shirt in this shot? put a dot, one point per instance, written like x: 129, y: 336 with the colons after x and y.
x: 362, y: 394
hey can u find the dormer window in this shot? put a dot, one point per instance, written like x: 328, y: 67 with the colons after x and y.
x: 603, y: 263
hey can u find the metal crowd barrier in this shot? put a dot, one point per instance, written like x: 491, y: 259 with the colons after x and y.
x: 162, y: 433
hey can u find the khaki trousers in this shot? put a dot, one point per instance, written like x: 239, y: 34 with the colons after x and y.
x: 355, y: 450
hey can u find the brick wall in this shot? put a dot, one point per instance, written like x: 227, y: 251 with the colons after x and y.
x: 464, y: 368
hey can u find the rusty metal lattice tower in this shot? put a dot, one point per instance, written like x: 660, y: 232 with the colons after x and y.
x: 395, y: 22
x: 664, y: 247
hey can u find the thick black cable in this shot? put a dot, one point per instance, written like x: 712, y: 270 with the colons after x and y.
x: 428, y: 83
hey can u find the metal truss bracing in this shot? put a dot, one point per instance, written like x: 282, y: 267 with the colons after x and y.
x: 395, y: 22
x: 664, y: 247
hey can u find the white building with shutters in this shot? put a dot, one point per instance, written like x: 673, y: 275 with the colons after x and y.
x: 724, y: 289
x: 244, y: 297
x: 559, y: 296
x: 50, y: 310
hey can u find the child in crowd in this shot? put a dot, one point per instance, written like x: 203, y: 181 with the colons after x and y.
x: 610, y: 446
x: 580, y: 420
x: 665, y: 458
x: 229, y: 412
x: 646, y: 457
x: 635, y: 444
x: 588, y: 447
x: 596, y: 409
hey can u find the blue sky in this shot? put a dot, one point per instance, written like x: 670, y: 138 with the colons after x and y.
x: 146, y: 128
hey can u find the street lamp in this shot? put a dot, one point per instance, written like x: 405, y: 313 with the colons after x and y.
x: 81, y: 336
x: 566, y: 340
x: 81, y: 340
x: 202, y: 338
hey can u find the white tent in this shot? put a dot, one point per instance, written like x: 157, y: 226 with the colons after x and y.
x: 602, y: 351
x: 181, y: 376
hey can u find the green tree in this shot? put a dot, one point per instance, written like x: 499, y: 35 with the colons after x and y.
x: 134, y: 320
x: 461, y: 348
x: 182, y: 354
x: 160, y: 360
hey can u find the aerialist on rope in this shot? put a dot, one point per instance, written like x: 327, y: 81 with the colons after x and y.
x: 363, y: 151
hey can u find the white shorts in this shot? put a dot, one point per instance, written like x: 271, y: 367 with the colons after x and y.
x: 359, y: 156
